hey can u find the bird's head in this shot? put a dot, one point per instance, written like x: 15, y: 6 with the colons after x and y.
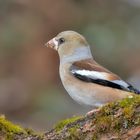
x: 67, y: 42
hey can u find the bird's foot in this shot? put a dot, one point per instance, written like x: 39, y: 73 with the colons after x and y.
x: 92, y: 112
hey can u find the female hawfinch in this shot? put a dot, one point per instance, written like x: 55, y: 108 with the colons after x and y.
x: 84, y: 79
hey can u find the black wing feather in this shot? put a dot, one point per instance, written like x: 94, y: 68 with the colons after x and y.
x: 106, y: 83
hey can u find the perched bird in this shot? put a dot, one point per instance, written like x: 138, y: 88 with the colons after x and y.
x: 84, y: 79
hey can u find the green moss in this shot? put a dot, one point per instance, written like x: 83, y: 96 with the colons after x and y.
x: 116, y: 125
x: 73, y: 129
x: 73, y: 132
x: 133, y: 101
x: 129, y: 105
x: 117, y: 116
x: 103, y: 123
x: 60, y: 125
x: 128, y: 112
x: 8, y: 129
x: 29, y: 131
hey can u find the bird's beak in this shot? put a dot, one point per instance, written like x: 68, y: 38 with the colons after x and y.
x: 53, y: 43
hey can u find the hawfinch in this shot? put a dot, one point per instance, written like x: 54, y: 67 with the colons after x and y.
x: 84, y: 79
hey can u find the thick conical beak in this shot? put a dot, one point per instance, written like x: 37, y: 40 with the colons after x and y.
x: 52, y: 44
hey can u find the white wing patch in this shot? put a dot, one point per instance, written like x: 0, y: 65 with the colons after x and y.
x: 99, y: 75
x: 121, y: 82
x: 91, y: 74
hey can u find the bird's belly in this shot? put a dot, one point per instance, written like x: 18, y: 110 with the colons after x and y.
x: 93, y: 94
x: 81, y: 96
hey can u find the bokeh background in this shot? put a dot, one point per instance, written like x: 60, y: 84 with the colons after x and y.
x: 31, y: 93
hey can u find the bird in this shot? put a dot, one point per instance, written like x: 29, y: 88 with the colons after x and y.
x: 86, y: 81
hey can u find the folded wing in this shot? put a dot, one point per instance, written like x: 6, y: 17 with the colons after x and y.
x: 89, y: 71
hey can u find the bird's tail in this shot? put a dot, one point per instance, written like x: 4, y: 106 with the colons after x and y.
x: 134, y: 90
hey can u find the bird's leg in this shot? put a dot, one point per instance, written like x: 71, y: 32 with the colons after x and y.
x: 92, y: 112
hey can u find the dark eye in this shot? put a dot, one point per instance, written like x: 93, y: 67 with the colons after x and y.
x: 61, y: 40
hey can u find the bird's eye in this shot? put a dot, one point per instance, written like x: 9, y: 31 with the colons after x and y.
x: 61, y: 40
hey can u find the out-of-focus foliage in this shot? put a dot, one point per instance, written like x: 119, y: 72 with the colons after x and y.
x: 30, y: 88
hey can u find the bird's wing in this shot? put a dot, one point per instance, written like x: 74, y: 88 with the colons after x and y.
x: 90, y: 71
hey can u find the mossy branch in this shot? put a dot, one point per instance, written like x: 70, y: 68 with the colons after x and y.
x: 118, y: 120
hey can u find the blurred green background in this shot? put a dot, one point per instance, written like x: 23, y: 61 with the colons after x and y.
x: 30, y: 89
